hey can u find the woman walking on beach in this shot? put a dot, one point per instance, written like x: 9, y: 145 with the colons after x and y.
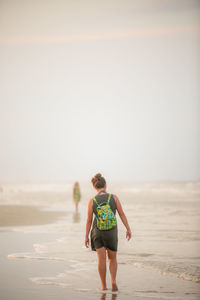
x: 76, y: 195
x: 104, y: 237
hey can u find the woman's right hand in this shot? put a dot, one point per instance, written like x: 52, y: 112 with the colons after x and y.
x: 128, y: 234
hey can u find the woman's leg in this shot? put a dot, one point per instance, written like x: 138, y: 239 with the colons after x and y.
x: 76, y: 206
x: 101, y: 253
x: 112, y: 257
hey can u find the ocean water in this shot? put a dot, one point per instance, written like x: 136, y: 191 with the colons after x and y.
x: 164, y: 218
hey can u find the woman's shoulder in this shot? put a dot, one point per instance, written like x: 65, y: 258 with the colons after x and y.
x: 90, y: 202
x: 116, y: 199
x: 115, y: 196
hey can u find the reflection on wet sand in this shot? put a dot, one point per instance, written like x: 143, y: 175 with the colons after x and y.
x: 76, y: 217
x: 113, y: 297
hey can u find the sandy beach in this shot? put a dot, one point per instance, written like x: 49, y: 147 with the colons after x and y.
x: 19, y: 271
x: 42, y: 253
x: 21, y: 215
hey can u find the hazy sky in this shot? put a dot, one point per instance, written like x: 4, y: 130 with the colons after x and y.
x: 109, y: 86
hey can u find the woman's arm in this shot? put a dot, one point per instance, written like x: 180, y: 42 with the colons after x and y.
x: 123, y: 217
x: 88, y: 222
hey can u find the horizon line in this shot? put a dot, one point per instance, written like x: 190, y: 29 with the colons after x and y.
x: 145, y: 32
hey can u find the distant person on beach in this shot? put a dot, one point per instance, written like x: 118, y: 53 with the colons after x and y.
x: 76, y: 195
x: 104, y: 236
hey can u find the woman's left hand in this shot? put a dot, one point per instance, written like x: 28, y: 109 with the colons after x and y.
x: 128, y: 234
x: 87, y: 242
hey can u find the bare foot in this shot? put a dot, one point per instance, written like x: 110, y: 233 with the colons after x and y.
x: 114, y: 287
x: 104, y: 288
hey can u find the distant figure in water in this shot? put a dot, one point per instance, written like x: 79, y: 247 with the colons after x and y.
x: 104, y: 236
x: 76, y: 195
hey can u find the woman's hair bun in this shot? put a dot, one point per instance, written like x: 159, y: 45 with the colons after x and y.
x: 98, y: 176
x: 98, y: 181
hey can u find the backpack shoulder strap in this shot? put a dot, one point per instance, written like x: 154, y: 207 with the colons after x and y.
x: 94, y: 199
x: 109, y: 196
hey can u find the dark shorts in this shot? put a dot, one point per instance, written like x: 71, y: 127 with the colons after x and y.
x: 104, y: 238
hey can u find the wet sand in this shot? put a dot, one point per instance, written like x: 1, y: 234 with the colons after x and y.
x: 15, y: 283
x: 21, y: 215
x: 15, y: 274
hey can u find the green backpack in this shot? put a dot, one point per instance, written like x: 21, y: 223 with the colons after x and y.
x: 106, y: 218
